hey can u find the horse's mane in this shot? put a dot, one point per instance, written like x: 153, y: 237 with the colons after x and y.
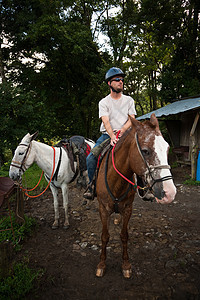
x: 121, y: 140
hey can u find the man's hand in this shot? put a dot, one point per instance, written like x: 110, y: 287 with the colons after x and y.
x: 114, y: 139
x: 121, y: 132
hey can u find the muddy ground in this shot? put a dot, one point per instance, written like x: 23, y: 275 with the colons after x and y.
x: 164, y: 249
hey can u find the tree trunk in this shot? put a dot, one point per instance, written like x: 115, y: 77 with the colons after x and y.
x: 2, y: 72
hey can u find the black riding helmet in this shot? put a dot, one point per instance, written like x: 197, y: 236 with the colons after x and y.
x: 112, y: 72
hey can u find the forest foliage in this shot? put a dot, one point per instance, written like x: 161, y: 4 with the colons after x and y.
x: 54, y: 55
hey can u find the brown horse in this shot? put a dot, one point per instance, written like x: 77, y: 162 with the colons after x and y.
x: 141, y: 152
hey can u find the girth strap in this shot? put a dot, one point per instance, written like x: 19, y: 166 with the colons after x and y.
x: 77, y: 170
x: 55, y: 176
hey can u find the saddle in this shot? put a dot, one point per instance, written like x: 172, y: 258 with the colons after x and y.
x: 77, y: 150
x: 99, y: 152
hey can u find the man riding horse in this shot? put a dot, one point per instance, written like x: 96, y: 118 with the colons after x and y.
x: 114, y: 111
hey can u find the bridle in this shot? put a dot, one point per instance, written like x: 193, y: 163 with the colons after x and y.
x: 21, y: 165
x: 149, y: 172
x: 151, y: 169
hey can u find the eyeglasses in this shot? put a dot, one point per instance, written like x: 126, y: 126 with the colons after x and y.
x: 117, y: 79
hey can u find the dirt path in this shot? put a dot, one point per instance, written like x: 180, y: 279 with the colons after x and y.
x: 164, y: 249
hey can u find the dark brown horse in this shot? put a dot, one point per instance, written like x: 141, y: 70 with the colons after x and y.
x: 141, y: 152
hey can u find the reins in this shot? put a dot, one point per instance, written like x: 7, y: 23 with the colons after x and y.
x: 149, y: 169
x: 116, y: 200
x: 123, y: 196
x: 134, y: 185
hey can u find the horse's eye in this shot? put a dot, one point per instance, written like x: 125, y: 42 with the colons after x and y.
x: 145, y: 152
x: 21, y: 153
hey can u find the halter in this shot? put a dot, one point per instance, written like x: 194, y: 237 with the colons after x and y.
x: 21, y: 165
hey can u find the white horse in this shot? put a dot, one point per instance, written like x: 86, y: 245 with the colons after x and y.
x: 30, y: 151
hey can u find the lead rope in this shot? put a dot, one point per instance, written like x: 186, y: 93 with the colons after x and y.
x: 28, y: 190
x: 40, y: 179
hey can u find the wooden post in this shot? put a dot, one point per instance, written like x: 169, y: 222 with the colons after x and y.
x: 193, y: 148
x: 193, y: 157
x: 20, y: 206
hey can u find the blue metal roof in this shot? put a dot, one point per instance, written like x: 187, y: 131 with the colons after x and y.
x: 174, y: 108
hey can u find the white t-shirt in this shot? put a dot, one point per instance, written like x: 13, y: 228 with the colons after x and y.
x: 116, y: 110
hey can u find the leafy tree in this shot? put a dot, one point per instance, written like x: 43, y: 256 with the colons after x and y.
x: 181, y: 76
x: 18, y: 116
x: 55, y: 64
x: 52, y: 66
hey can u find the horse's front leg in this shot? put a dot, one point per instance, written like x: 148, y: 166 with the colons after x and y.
x: 65, y: 204
x: 101, y: 267
x: 54, y: 191
x: 126, y: 266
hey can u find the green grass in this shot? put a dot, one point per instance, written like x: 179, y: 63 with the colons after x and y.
x: 21, y: 278
x: 19, y: 282
x: 4, y: 171
x: 21, y: 231
x: 190, y: 181
x: 174, y: 165
x: 29, y: 179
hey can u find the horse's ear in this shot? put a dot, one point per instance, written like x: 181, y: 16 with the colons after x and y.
x: 34, y: 135
x: 154, y: 120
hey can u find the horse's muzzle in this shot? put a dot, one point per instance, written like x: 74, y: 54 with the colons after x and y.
x: 169, y: 193
x: 15, y: 176
x: 158, y: 191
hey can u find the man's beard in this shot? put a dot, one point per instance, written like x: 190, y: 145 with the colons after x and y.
x: 119, y: 90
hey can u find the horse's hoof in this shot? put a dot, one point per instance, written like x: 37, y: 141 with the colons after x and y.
x: 100, y: 272
x: 54, y: 227
x: 66, y: 227
x: 127, y: 273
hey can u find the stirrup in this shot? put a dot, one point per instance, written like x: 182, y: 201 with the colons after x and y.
x: 89, y: 192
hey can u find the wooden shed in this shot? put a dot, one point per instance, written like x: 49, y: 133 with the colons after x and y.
x: 182, y: 121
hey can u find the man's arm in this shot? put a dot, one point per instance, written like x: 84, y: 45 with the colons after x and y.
x: 126, y: 125
x: 106, y: 123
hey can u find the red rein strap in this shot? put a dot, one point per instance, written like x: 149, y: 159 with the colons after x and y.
x: 41, y: 178
x: 116, y: 168
x: 36, y: 184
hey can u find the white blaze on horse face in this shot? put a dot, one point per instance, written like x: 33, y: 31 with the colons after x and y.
x: 161, y: 149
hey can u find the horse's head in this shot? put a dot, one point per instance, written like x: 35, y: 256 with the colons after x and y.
x: 22, y: 158
x: 153, y: 157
